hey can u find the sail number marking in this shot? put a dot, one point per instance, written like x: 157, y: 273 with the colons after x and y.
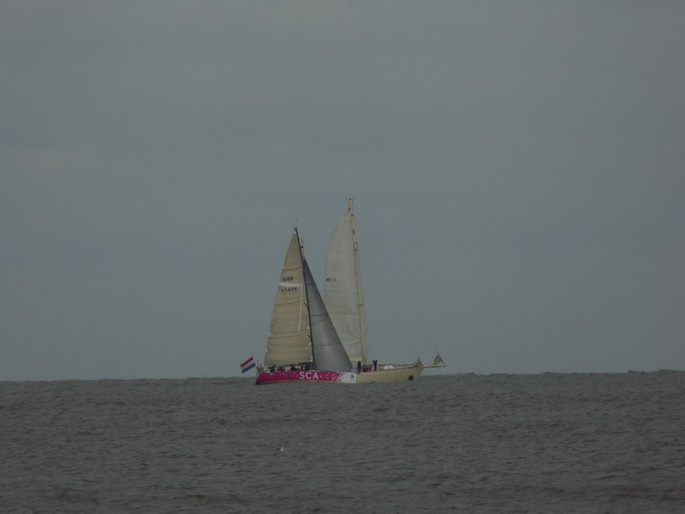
x: 287, y: 286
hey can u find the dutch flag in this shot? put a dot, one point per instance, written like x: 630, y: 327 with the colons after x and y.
x: 248, y: 364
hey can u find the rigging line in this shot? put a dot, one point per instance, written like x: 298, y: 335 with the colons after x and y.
x: 388, y: 306
x: 402, y: 322
x: 406, y: 296
x: 391, y: 305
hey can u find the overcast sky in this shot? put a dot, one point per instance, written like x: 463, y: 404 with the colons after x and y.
x: 520, y: 164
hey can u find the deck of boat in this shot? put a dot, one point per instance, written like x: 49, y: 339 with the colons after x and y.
x: 390, y: 375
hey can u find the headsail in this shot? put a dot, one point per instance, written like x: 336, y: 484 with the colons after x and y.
x: 342, y: 288
x: 329, y: 354
x: 288, y: 340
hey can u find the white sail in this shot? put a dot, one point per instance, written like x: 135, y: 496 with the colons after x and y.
x: 289, y: 341
x: 342, y: 287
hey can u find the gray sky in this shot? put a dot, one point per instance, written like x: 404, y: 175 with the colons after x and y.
x: 519, y: 163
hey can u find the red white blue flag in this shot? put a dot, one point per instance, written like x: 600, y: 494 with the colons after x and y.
x: 248, y: 364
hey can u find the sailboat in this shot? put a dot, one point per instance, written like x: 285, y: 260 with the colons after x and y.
x: 303, y: 345
x: 344, y: 300
x: 322, y: 339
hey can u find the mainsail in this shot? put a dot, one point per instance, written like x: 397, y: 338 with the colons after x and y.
x: 342, y: 289
x: 288, y: 340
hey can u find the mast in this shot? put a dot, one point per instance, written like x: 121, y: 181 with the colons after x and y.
x: 357, y: 272
x: 306, y: 297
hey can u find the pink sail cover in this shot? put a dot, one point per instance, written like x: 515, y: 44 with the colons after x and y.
x: 311, y: 375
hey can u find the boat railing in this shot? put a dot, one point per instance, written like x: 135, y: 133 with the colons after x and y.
x: 304, y: 366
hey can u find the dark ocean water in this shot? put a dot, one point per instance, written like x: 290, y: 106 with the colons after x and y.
x: 466, y: 443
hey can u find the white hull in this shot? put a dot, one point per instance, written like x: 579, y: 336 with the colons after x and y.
x: 390, y: 375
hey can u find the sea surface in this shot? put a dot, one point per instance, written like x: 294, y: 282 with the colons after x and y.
x: 466, y: 443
